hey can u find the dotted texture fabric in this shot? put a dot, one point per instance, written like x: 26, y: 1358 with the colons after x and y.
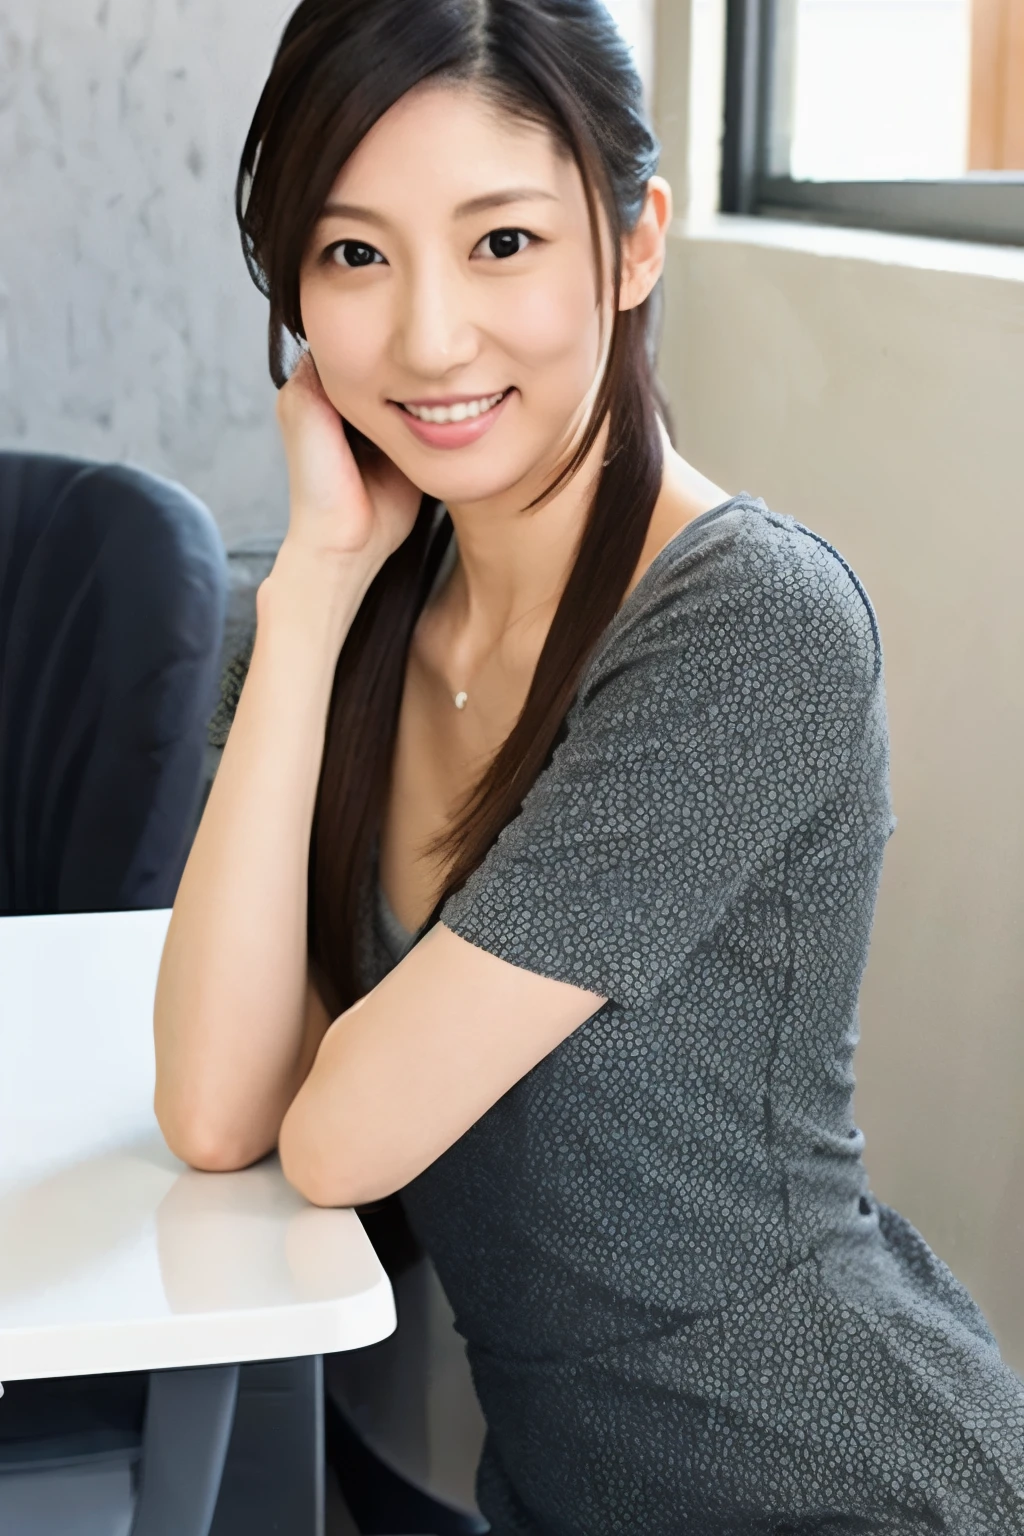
x: 684, y: 1310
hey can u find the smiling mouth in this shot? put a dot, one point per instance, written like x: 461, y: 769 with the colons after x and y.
x: 460, y: 410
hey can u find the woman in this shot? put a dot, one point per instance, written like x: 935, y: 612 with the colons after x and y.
x: 559, y: 783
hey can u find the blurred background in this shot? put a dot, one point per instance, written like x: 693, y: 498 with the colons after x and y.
x: 844, y: 337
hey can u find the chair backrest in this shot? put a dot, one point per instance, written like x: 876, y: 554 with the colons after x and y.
x: 112, y: 594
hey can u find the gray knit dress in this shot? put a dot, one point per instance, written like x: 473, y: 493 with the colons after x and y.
x: 684, y: 1310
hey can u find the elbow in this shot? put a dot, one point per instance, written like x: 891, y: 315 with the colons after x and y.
x: 322, y: 1173
x: 203, y: 1142
x: 316, y: 1185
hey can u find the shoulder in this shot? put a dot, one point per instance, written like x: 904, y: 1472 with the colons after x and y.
x: 745, y: 593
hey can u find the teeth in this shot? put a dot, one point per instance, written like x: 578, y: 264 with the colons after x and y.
x: 466, y: 410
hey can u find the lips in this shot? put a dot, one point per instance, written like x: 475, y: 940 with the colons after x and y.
x: 454, y: 408
x: 459, y: 430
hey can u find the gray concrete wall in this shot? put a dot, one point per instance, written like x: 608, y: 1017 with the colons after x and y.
x: 129, y: 328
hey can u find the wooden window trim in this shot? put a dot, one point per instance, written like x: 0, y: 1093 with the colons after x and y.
x: 997, y: 85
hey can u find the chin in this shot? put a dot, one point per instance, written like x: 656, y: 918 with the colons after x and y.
x: 463, y: 490
x: 459, y: 476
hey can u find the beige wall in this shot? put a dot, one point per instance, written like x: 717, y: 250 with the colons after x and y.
x: 880, y: 399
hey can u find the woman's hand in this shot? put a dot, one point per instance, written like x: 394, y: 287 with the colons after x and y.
x: 337, y: 506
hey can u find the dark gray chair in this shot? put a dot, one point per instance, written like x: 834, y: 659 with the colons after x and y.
x: 112, y: 598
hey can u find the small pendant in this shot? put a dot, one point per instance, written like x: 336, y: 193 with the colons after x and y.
x: 461, y: 700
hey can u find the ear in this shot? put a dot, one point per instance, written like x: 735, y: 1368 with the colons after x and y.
x: 643, y: 249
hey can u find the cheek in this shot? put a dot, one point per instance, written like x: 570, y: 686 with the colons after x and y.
x: 344, y: 340
x: 553, y: 327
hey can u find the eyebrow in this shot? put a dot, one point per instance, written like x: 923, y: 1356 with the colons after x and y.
x: 464, y: 210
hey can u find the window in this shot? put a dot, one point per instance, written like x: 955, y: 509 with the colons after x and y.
x: 894, y: 114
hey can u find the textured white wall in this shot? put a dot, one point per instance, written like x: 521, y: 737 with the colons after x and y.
x: 129, y: 328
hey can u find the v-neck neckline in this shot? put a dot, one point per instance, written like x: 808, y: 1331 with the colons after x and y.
x: 385, y: 910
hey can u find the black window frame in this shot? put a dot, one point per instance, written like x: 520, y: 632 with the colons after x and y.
x: 986, y: 206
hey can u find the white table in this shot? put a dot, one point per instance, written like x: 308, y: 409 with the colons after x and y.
x: 113, y: 1255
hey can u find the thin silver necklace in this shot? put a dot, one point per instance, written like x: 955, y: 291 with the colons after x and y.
x: 451, y: 555
x: 461, y: 698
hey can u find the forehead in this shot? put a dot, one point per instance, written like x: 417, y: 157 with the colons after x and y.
x: 440, y: 145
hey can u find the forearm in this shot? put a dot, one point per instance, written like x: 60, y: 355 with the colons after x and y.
x: 232, y: 1036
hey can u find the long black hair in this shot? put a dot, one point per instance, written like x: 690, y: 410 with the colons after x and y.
x: 340, y: 66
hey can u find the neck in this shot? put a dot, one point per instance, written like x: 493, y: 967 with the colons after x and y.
x: 513, y: 564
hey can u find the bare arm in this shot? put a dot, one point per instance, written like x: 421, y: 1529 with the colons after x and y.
x: 408, y: 1070
x: 237, y: 1024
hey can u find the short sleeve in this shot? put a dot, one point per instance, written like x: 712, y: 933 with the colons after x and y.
x: 735, y: 694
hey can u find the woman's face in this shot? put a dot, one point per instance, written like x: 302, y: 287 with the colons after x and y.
x: 453, y: 269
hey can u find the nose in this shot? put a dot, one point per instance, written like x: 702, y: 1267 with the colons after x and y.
x: 435, y: 331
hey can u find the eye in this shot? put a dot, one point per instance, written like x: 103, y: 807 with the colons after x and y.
x: 353, y: 253
x: 505, y: 242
